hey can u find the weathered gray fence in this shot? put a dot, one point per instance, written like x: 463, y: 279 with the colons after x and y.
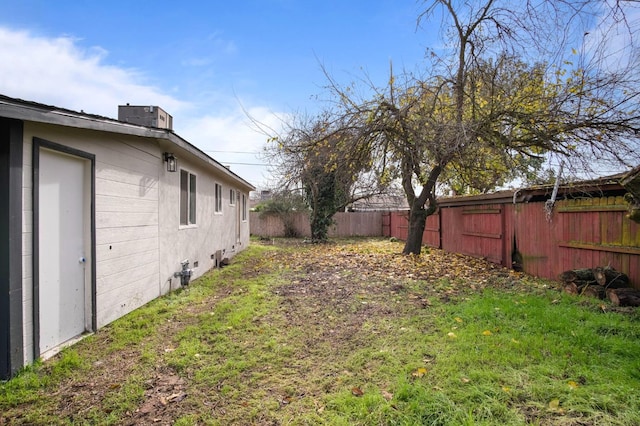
x: 361, y: 224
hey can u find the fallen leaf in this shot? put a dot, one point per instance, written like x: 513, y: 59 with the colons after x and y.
x: 458, y: 319
x: 356, y: 391
x: 286, y: 400
x: 177, y: 397
x: 506, y: 388
x: 486, y: 333
x: 465, y: 380
x: 572, y: 384
x: 451, y: 335
x: 554, y: 404
x: 387, y: 395
x: 420, y: 372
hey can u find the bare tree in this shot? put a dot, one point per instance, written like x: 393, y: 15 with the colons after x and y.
x: 324, y: 158
x: 482, y: 101
x: 515, y: 86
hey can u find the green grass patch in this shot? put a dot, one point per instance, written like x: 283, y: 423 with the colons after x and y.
x: 264, y: 341
x: 513, y: 359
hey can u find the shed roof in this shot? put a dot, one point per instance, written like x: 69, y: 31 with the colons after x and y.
x: 631, y: 182
x: 36, y: 112
x: 607, y: 185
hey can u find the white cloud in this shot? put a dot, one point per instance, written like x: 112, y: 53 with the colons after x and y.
x: 197, y: 62
x: 611, y: 40
x: 225, y: 46
x: 232, y: 138
x: 56, y: 71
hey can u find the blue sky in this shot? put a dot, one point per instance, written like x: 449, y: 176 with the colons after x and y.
x: 203, y: 61
x: 207, y: 62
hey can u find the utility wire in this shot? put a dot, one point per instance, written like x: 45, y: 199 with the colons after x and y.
x: 234, y: 152
x: 244, y: 164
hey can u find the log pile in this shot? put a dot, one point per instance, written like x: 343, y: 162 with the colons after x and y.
x: 601, y: 282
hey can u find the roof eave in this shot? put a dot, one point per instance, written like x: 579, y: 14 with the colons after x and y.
x: 40, y: 113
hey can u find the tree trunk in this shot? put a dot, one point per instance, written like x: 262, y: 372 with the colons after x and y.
x: 592, y: 290
x: 604, y: 276
x: 578, y: 275
x: 610, y: 278
x: 624, y: 296
x: 417, y: 222
x: 319, y: 228
x: 570, y: 287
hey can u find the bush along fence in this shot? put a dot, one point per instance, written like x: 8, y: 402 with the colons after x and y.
x: 587, y: 228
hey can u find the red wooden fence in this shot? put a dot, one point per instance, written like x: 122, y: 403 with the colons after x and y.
x: 580, y: 233
x: 365, y: 224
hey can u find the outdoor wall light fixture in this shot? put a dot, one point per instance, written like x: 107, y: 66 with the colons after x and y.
x: 172, y: 161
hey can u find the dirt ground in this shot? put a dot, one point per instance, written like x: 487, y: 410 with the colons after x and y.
x: 335, y: 275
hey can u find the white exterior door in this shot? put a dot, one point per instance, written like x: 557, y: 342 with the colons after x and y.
x: 62, y: 237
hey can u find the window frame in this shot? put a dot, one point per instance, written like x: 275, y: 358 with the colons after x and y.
x: 244, y: 207
x: 232, y: 197
x: 217, y: 198
x: 188, y: 199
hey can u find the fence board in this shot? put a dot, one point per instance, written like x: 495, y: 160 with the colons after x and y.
x: 431, y: 235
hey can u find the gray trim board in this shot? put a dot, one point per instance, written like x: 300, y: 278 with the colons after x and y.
x: 37, y: 144
x: 11, y: 322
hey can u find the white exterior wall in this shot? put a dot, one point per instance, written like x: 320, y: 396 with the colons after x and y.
x: 126, y: 220
x: 212, y: 231
x: 139, y: 240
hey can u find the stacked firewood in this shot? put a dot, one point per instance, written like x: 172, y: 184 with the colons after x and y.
x: 601, y: 282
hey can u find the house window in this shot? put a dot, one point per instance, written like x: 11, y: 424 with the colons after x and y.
x: 244, y: 207
x: 218, y: 198
x: 187, y: 198
x: 232, y: 197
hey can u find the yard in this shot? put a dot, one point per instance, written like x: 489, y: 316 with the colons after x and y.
x: 348, y: 333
